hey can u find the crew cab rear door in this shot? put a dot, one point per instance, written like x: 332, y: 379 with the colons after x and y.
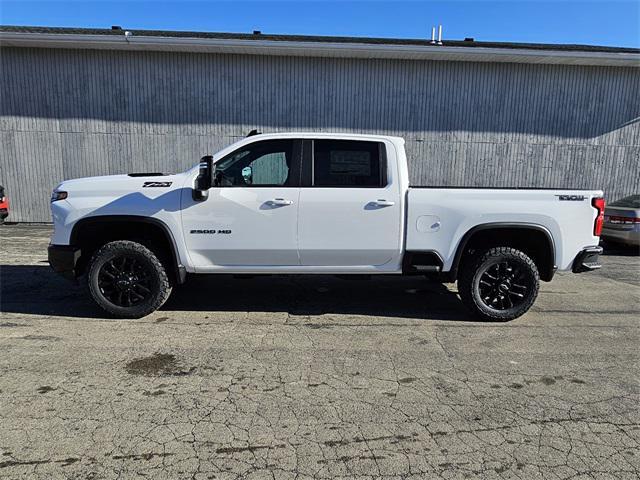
x: 250, y: 217
x: 350, y: 207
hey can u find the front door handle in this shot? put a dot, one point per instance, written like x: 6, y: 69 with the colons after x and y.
x: 384, y: 203
x: 280, y: 202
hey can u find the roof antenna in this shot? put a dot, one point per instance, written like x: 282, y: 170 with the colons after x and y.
x: 433, y: 35
x: 253, y: 132
x: 439, y: 34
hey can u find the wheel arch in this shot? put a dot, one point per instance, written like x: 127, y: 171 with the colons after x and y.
x: 517, y: 235
x: 90, y: 233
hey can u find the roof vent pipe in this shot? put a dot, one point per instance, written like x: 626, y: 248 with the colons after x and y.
x: 433, y: 35
x: 439, y: 34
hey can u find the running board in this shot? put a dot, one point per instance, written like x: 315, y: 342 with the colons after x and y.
x: 421, y: 263
x: 426, y: 268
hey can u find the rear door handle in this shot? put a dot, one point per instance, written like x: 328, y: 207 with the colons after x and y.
x: 280, y: 202
x: 384, y: 203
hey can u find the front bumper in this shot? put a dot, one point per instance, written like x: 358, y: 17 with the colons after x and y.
x: 63, y: 259
x: 587, y: 260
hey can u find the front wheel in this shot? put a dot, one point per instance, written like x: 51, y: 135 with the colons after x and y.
x: 127, y: 280
x: 499, y: 284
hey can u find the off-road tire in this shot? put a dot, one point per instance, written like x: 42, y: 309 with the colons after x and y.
x: 472, y: 272
x: 156, y: 278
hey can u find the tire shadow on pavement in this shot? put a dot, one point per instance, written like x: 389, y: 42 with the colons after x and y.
x: 37, y: 290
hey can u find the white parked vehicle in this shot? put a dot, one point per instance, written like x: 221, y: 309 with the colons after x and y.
x: 312, y: 203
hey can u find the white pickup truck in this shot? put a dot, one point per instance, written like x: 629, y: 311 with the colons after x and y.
x: 314, y: 203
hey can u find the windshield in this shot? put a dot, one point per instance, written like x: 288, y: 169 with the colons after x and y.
x: 632, y: 201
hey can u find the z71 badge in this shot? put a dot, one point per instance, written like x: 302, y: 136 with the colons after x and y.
x: 156, y: 184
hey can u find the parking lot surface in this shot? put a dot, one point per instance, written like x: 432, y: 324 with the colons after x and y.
x: 317, y: 377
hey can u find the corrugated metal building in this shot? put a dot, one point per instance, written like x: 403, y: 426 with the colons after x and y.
x: 80, y: 102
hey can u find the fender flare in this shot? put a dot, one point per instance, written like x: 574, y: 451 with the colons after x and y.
x: 462, y: 244
x: 180, y: 270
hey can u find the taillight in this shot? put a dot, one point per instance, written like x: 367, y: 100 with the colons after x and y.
x: 623, y: 220
x: 598, y: 204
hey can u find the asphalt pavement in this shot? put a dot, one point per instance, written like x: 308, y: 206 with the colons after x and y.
x: 317, y: 377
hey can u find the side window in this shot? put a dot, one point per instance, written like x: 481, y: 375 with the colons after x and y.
x: 348, y: 163
x: 267, y: 163
x: 270, y: 169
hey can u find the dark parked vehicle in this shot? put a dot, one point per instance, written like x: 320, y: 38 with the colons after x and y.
x: 622, y: 221
x: 4, y: 205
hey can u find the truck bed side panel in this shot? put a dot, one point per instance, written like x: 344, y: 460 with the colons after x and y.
x: 438, y: 218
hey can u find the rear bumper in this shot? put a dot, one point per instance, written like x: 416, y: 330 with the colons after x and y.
x: 63, y: 259
x: 587, y: 260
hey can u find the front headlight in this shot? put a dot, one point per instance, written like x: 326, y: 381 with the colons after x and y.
x: 58, y: 195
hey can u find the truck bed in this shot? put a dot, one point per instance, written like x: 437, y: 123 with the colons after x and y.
x: 439, y: 217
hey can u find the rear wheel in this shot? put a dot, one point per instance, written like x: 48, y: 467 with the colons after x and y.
x: 499, y: 284
x: 126, y: 279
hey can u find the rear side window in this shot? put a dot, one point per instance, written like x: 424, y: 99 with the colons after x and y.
x: 348, y: 163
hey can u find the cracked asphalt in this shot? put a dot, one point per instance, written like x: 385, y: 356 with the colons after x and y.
x: 316, y: 377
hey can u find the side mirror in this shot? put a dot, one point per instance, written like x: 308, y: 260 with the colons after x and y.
x: 203, y: 180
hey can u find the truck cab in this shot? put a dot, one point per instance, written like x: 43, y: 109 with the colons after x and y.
x: 316, y: 203
x: 296, y: 205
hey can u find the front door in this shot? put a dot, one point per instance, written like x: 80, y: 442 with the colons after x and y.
x: 250, y: 217
x: 350, y: 212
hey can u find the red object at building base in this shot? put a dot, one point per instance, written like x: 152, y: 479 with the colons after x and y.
x: 4, y: 205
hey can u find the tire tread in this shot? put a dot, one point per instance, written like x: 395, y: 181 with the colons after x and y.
x: 466, y: 280
x: 137, y: 311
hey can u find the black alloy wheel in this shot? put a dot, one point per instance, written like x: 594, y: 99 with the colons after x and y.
x: 503, y: 285
x: 124, y: 281
x: 127, y: 279
x: 499, y: 284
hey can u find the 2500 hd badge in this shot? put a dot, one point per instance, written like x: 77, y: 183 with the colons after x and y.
x: 212, y: 232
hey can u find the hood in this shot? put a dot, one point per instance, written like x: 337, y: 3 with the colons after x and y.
x: 114, y: 184
x: 145, y: 195
x: 122, y: 194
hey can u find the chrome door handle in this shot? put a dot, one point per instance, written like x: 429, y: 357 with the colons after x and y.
x: 280, y: 202
x: 384, y: 203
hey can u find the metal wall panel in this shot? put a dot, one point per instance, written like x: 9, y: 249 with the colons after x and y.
x: 72, y: 113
